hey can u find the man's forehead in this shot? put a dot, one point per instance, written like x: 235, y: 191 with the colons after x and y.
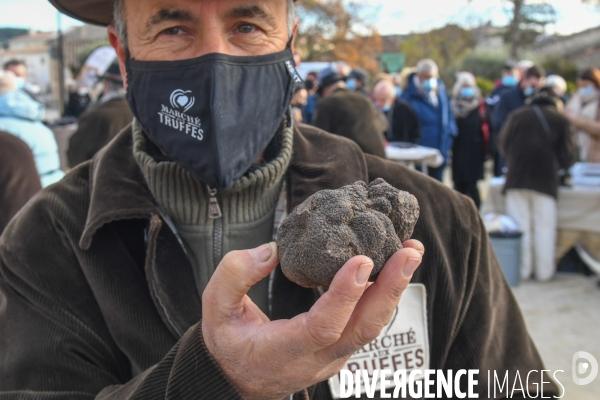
x: 100, y: 12
x: 239, y: 8
x: 158, y: 11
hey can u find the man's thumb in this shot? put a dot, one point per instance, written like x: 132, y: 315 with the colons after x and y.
x: 233, y: 278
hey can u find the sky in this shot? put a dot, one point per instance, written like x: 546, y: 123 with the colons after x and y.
x: 393, y: 16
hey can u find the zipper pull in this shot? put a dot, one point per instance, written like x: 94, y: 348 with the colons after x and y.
x: 214, y: 210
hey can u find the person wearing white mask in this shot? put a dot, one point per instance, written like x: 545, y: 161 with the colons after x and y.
x: 19, y: 69
x: 582, y: 111
x: 427, y: 95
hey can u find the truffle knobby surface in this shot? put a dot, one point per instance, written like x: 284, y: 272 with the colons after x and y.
x: 320, y: 235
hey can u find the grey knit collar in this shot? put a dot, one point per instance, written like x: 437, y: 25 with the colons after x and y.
x: 185, y: 199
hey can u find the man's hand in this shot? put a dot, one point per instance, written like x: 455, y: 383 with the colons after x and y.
x: 273, y: 359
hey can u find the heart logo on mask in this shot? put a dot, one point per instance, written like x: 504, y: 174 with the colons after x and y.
x: 182, y: 99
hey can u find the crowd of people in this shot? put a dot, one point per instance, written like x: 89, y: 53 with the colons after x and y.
x: 530, y: 128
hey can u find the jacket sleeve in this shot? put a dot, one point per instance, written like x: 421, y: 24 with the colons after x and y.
x: 406, y: 126
x: 567, y: 147
x: 500, y: 115
x: 504, y: 136
x: 53, y: 349
x: 415, y: 125
x: 452, y: 127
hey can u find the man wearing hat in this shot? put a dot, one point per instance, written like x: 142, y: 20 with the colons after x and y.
x: 348, y: 113
x: 131, y: 278
x: 101, y: 124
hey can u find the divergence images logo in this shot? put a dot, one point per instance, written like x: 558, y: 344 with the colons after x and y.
x: 181, y: 99
x: 584, y: 363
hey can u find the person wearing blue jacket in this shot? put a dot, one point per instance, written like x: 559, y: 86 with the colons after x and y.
x: 21, y: 116
x: 427, y: 95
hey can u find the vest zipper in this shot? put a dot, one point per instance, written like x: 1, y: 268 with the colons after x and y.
x: 214, y: 213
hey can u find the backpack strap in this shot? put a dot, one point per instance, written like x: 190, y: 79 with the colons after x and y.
x: 543, y: 120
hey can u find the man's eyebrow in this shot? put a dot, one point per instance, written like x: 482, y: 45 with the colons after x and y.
x: 170, y: 14
x: 253, y: 12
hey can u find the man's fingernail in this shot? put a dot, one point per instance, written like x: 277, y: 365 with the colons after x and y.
x: 363, y: 272
x: 410, y: 266
x: 262, y: 253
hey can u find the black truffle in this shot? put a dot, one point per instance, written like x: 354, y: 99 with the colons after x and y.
x: 320, y: 235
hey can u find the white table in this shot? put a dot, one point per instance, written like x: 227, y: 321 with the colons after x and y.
x: 578, y: 219
x: 426, y: 156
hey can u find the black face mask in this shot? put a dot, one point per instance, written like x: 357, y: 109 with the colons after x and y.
x: 214, y: 114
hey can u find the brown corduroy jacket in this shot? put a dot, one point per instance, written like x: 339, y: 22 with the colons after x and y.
x: 533, y: 155
x: 19, y: 178
x: 98, y: 300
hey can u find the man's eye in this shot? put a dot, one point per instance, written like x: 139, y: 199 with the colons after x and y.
x: 173, y: 31
x: 246, y: 28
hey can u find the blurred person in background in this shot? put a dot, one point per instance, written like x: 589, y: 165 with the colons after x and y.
x: 19, y: 68
x: 312, y: 85
x: 311, y: 101
x: 511, y: 100
x: 19, y: 180
x: 101, y: 123
x: 398, y: 84
x: 342, y: 68
x: 348, y: 113
x: 312, y: 76
x: 537, y: 142
x: 583, y: 112
x: 403, y: 122
x: 426, y: 93
x: 21, y: 116
x: 557, y: 86
x: 357, y: 81
x: 511, y: 76
x: 468, y: 150
x: 79, y: 100
x: 299, y: 102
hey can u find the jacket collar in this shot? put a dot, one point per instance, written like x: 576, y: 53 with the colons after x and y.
x: 117, y: 188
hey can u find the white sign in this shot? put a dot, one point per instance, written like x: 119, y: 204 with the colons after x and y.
x: 402, y: 345
x: 101, y: 58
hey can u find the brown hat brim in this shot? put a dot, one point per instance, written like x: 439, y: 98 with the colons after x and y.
x: 97, y: 12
